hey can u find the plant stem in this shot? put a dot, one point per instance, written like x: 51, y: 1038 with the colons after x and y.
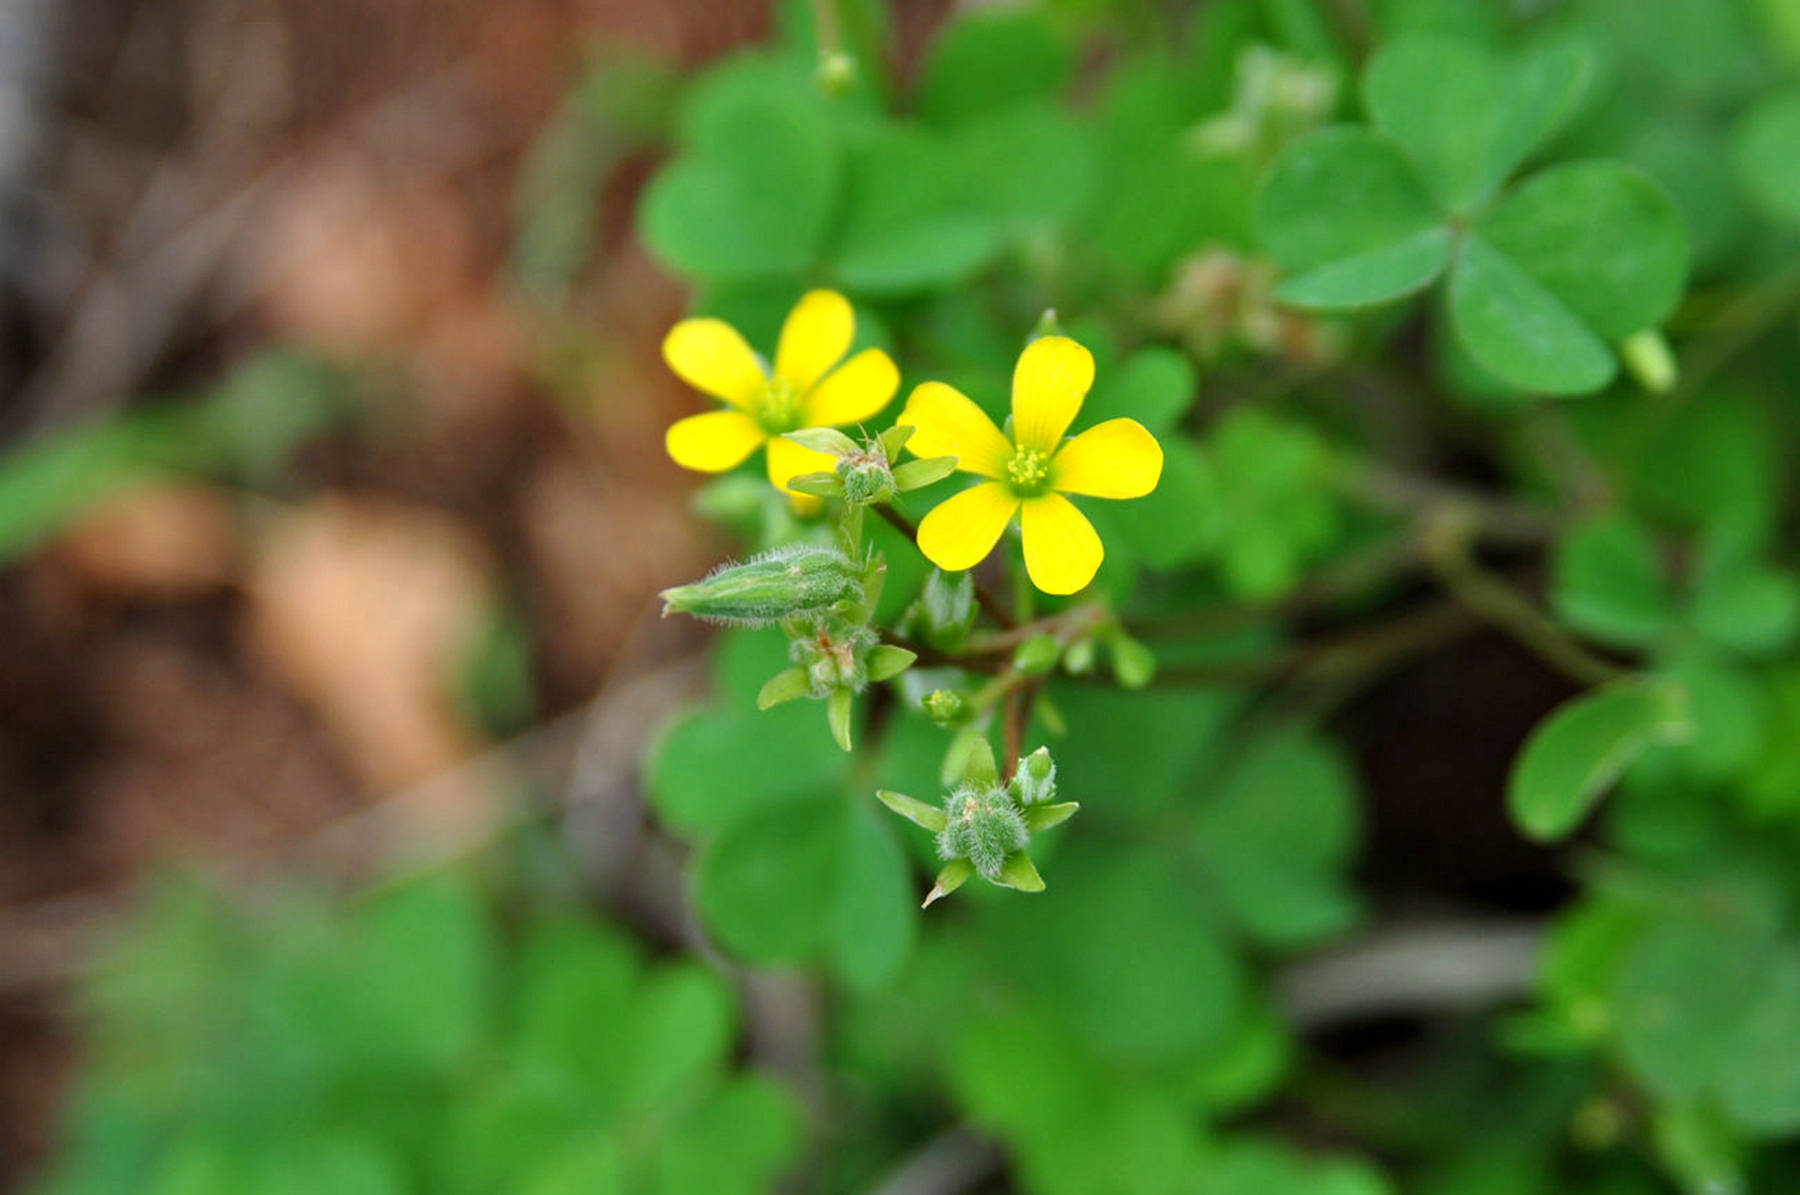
x: 1492, y: 517
x: 1447, y: 548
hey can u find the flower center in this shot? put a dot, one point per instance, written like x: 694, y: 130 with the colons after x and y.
x: 1028, y: 471
x: 779, y: 409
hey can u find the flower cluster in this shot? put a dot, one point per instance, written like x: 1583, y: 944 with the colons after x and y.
x: 1027, y: 469
x: 823, y: 589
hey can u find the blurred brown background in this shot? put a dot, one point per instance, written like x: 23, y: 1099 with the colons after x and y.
x: 195, y: 671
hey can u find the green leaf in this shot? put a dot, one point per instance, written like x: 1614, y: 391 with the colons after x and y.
x: 1682, y: 1000
x: 929, y: 817
x: 1608, y: 582
x: 1278, y: 837
x: 840, y: 710
x: 1028, y: 169
x: 1767, y: 164
x: 1601, y: 237
x: 735, y: 1142
x: 1124, y: 947
x: 767, y: 888
x: 955, y: 874
x: 1043, y: 817
x: 1376, y: 276
x: 873, y: 922
x: 428, y: 966
x: 1466, y: 118
x: 678, y: 1035
x: 752, y: 194
x: 1748, y: 609
x: 591, y: 1162
x: 887, y: 661
x: 576, y: 988
x: 1574, y: 755
x: 1155, y: 386
x: 1021, y: 874
x: 696, y: 774
x: 784, y: 686
x: 1513, y: 326
x: 1761, y: 1085
x: 915, y: 475
x: 1345, y: 215
x: 905, y: 229
x: 979, y: 767
x: 987, y: 61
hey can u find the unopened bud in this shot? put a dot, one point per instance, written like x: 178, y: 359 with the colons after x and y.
x: 984, y: 827
x: 1035, y: 781
x: 834, y: 654
x: 946, y: 707
x: 945, y: 610
x: 1037, y: 655
x: 867, y: 478
x: 837, y: 73
x: 789, y: 581
x: 1648, y: 356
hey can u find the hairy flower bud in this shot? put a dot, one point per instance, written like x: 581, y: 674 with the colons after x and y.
x: 776, y: 585
x: 834, y: 654
x: 1035, y: 781
x: 867, y: 477
x: 982, y: 826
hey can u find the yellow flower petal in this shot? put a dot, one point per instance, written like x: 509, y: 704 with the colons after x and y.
x: 1062, y: 550
x: 815, y: 337
x: 713, y: 442
x: 709, y: 355
x: 1052, y: 377
x: 787, y: 460
x: 1115, y: 459
x: 854, y: 391
x: 960, y: 531
x: 947, y: 422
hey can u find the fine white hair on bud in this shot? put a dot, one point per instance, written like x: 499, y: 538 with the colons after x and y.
x: 983, y: 826
x: 779, y: 584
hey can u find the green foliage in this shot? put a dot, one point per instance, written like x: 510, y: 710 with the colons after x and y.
x: 1580, y: 751
x: 1330, y: 255
x: 404, y: 1044
x: 1542, y: 278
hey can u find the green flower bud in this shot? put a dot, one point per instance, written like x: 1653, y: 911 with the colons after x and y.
x: 834, y: 654
x: 776, y: 585
x: 945, y: 610
x: 1037, y: 655
x: 1035, y: 781
x: 1133, y: 664
x: 867, y: 478
x: 1650, y: 360
x: 837, y: 73
x: 946, y: 707
x: 984, y: 827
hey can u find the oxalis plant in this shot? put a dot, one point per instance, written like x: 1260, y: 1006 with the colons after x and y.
x: 1107, y: 406
x: 824, y: 597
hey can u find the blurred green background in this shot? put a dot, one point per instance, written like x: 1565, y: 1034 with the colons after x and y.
x: 363, y: 828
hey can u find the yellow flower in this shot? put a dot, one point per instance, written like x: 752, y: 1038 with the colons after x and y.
x: 1029, y: 471
x: 807, y: 388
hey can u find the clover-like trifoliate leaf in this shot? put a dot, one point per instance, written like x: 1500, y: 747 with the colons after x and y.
x: 1465, y: 117
x: 1346, y: 214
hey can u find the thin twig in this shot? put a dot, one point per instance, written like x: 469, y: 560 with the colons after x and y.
x: 1493, y: 599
